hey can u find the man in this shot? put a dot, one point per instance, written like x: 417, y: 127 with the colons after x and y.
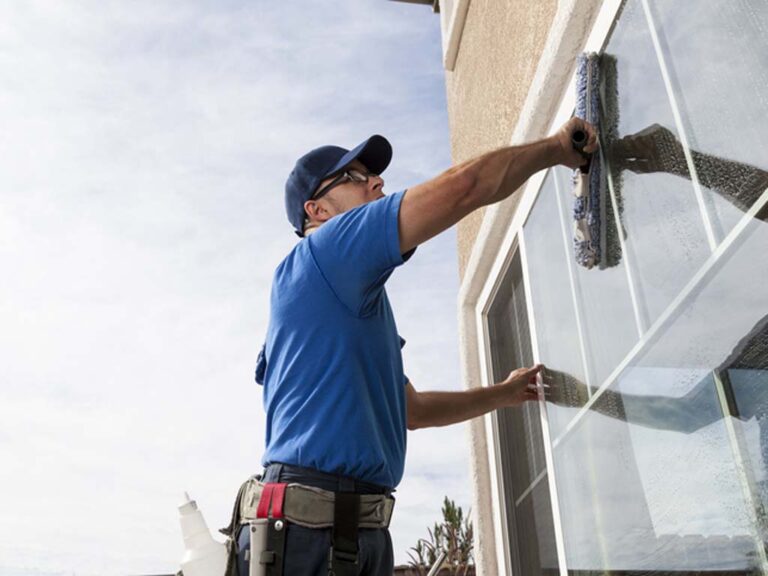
x: 337, y: 399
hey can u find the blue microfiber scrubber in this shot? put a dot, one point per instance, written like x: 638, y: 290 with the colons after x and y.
x: 589, y: 204
x: 598, y: 226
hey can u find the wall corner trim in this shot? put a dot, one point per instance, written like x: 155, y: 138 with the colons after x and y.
x: 455, y: 32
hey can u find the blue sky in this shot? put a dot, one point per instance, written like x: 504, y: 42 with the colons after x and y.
x: 145, y: 146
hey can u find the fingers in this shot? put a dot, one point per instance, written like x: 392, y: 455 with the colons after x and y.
x: 524, y: 373
x: 575, y: 124
x: 592, y: 140
x: 536, y: 389
x: 545, y: 387
x: 538, y: 392
x: 531, y: 373
x: 535, y: 369
x: 572, y: 157
x: 592, y: 144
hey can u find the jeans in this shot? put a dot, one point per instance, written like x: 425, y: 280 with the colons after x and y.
x: 306, y: 549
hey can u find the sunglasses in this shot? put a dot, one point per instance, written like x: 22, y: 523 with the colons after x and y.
x: 347, y: 176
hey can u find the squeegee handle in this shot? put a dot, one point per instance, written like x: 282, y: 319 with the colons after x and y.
x: 579, y: 140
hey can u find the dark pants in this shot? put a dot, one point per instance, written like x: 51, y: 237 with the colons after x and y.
x: 306, y: 549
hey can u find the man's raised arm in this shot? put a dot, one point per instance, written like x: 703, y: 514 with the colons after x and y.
x: 434, y: 206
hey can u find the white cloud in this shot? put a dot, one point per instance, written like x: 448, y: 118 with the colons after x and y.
x: 145, y: 148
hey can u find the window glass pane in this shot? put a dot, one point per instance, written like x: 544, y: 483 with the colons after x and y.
x: 520, y: 443
x: 557, y: 332
x: 717, y: 58
x: 661, y: 219
x: 537, y: 552
x: 652, y: 467
x: 604, y: 302
x: 520, y: 446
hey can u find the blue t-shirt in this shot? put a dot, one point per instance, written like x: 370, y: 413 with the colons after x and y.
x: 334, y: 386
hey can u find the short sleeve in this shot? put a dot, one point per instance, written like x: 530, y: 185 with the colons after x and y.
x: 261, y: 366
x: 406, y: 380
x: 357, y: 251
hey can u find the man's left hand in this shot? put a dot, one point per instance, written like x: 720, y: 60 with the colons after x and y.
x: 521, y: 386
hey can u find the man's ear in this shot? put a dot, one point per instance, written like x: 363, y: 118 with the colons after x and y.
x: 310, y: 209
x: 316, y: 211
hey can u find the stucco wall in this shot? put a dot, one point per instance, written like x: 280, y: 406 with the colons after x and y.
x: 498, y: 55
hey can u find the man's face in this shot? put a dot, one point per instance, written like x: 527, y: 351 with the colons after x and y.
x: 346, y: 195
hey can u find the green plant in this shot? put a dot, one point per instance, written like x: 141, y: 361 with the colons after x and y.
x: 453, y: 536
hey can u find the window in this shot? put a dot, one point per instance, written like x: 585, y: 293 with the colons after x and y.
x: 657, y: 438
x: 658, y: 467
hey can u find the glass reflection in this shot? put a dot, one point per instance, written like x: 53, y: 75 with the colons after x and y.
x: 660, y: 219
x: 667, y: 470
x: 665, y: 237
x: 717, y: 61
x: 651, y: 150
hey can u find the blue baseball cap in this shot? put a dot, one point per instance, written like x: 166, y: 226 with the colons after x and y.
x: 324, y: 162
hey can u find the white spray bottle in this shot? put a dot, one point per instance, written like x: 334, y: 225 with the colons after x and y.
x: 203, y: 556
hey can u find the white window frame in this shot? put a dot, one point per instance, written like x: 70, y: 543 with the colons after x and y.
x: 497, y: 483
x: 486, y: 286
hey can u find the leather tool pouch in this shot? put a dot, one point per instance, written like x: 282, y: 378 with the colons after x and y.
x: 267, y: 551
x: 270, y: 508
x: 232, y: 530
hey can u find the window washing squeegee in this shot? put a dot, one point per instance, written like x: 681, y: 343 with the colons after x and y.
x: 595, y: 234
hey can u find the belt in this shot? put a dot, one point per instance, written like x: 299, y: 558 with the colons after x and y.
x: 281, y: 472
x: 314, y: 507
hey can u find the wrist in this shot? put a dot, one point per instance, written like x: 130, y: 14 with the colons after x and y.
x: 555, y: 154
x: 502, y: 394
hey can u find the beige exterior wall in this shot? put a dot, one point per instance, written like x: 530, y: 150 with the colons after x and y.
x: 500, y: 48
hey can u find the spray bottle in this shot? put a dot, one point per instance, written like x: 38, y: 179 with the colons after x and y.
x: 203, y: 555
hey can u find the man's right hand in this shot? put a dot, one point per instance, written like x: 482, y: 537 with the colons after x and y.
x: 569, y: 156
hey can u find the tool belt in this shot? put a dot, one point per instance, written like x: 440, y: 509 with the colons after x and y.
x: 309, y: 507
x: 312, y: 507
